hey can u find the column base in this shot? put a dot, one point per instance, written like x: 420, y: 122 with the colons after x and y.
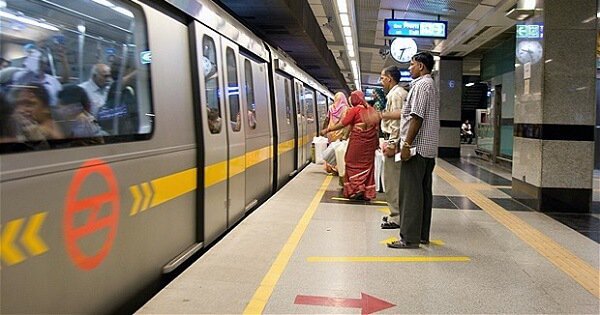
x: 564, y: 200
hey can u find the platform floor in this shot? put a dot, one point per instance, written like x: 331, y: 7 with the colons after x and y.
x: 305, y: 251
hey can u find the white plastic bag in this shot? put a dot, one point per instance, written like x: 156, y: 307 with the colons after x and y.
x: 340, y: 154
x: 320, y: 144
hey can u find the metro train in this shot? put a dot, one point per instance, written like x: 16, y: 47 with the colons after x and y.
x: 193, y: 121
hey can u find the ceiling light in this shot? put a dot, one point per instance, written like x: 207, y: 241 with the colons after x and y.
x: 347, y: 30
x: 342, y: 6
x: 470, y: 84
x: 104, y: 3
x: 351, y: 53
x: 345, y: 19
x: 349, y: 40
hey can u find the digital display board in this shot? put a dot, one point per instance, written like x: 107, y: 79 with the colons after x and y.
x: 533, y: 31
x: 415, y: 28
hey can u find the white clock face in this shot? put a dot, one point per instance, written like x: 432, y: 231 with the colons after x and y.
x: 529, y: 51
x: 402, y: 49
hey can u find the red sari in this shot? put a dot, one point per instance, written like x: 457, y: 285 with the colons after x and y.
x: 359, y: 180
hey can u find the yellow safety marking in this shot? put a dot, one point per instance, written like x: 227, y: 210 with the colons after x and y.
x: 137, y: 199
x: 258, y: 156
x: 263, y: 292
x: 285, y: 147
x: 11, y: 254
x: 378, y: 202
x: 31, y: 239
x: 147, y: 196
x: 385, y: 210
x: 389, y: 259
x: 584, y: 274
x: 393, y: 239
x: 237, y: 165
x: 215, y: 173
x: 172, y: 186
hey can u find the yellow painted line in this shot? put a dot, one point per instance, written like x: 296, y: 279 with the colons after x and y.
x: 31, y: 238
x: 258, y: 156
x: 285, y: 147
x: 431, y: 242
x: 263, y: 292
x: 237, y: 165
x: 378, y: 202
x: 385, y: 210
x: 389, y: 259
x: 579, y: 270
x: 172, y: 186
x: 215, y: 173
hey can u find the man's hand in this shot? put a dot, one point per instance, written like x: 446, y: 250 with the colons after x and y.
x: 405, y: 153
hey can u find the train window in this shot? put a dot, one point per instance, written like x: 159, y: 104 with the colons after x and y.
x: 309, y: 102
x: 211, y: 75
x: 73, y: 74
x: 233, y: 91
x: 321, y: 108
x: 288, y: 102
x: 250, y: 95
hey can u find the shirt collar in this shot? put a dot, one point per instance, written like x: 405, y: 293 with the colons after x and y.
x: 391, y: 90
x: 414, y: 81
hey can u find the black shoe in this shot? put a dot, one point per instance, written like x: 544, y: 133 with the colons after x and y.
x: 424, y: 242
x: 402, y: 244
x: 389, y: 225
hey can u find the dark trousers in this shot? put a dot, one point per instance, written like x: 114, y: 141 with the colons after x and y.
x: 416, y: 198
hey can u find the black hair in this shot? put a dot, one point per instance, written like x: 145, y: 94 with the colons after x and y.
x: 393, y: 72
x: 38, y: 90
x: 425, y: 58
x: 74, y: 94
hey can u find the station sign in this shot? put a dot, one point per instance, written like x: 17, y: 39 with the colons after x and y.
x: 531, y: 31
x: 415, y: 28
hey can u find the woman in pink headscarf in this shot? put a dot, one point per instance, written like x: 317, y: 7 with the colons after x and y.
x: 359, y: 181
x: 335, y: 114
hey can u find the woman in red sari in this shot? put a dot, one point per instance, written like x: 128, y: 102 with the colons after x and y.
x: 359, y: 181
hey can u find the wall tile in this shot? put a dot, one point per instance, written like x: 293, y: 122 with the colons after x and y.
x: 567, y: 164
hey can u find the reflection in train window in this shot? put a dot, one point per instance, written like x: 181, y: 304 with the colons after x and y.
x: 250, y: 95
x: 288, y: 102
x: 233, y: 91
x: 321, y: 108
x: 73, y: 74
x: 309, y: 103
x: 211, y: 80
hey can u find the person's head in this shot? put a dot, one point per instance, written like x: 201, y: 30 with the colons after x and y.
x: 4, y: 63
x: 357, y: 98
x: 421, y: 64
x: 31, y: 101
x: 339, y: 99
x: 72, y: 101
x: 101, y: 75
x: 389, y: 77
x: 467, y: 121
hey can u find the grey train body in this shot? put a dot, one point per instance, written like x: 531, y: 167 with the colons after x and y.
x: 220, y: 121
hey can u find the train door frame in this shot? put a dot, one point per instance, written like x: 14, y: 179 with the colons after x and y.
x: 236, y: 139
x: 311, y: 128
x: 259, y: 145
x: 285, y: 128
x: 299, y: 128
x: 214, y: 149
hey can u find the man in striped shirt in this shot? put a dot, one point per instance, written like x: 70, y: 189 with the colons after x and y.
x: 419, y: 132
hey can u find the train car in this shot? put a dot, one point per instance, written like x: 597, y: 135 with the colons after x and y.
x: 132, y: 135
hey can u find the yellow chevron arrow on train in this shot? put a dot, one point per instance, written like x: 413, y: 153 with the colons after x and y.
x: 137, y: 199
x: 31, y: 239
x: 10, y: 253
x: 147, y: 195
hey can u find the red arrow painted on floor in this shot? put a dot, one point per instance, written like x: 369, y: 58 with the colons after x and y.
x: 368, y: 304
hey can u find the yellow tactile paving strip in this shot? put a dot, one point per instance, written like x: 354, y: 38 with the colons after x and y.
x: 584, y: 274
x: 263, y: 292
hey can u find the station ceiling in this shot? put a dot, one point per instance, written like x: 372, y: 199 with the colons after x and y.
x: 310, y: 32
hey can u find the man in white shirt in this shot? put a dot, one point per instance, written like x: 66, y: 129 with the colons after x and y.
x: 396, y: 95
x: 97, y: 86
